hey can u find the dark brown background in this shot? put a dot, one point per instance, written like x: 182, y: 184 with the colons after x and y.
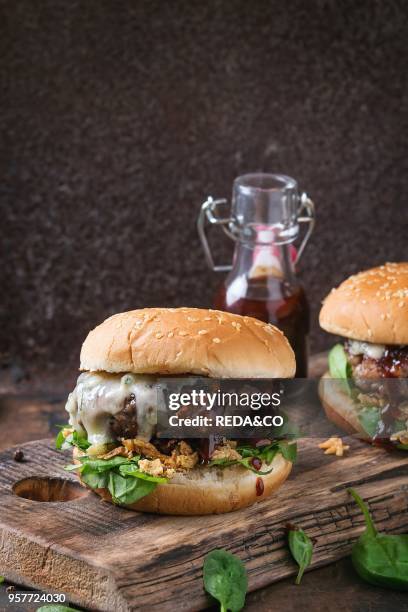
x: 118, y: 118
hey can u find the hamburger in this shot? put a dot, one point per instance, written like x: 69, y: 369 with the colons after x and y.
x: 365, y: 390
x: 112, y: 416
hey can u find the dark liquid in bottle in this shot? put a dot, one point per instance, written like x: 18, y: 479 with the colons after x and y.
x: 274, y: 301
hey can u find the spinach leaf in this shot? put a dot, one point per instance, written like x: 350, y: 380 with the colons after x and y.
x: 73, y: 439
x: 265, y: 453
x: 71, y: 467
x: 120, y: 475
x: 288, y: 450
x: 1, y: 579
x: 339, y: 366
x: 95, y: 480
x: 80, y: 441
x: 130, y: 470
x: 103, y: 465
x: 378, y: 558
x: 246, y: 463
x: 128, y: 490
x: 225, y: 578
x: 59, y: 440
x: 301, y: 547
x: 369, y: 418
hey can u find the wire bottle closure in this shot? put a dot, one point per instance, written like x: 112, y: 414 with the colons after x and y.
x: 280, y: 227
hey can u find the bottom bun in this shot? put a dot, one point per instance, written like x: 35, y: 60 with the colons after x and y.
x: 209, y: 490
x: 339, y: 407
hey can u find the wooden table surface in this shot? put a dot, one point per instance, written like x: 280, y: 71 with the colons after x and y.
x: 26, y: 416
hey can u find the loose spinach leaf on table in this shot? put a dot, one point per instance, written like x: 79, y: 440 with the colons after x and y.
x: 378, y: 558
x: 301, y: 547
x: 225, y: 578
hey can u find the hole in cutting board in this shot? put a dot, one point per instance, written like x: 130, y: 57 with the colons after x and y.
x: 43, y: 489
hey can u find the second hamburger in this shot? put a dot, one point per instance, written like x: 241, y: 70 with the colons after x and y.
x: 369, y: 368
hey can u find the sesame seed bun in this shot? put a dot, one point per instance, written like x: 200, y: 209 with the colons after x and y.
x: 371, y: 306
x: 208, y: 490
x: 188, y: 341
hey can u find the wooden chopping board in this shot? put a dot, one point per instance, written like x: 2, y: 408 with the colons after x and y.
x: 108, y: 558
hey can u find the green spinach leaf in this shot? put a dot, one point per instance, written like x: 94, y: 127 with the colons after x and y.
x: 378, y: 558
x: 130, y: 470
x: 339, y: 366
x: 369, y: 418
x: 59, y: 440
x: 128, y: 490
x: 95, y: 480
x: 225, y: 578
x: 265, y: 453
x: 103, y: 465
x: 73, y: 439
x: 288, y: 450
x: 120, y: 475
x: 301, y: 547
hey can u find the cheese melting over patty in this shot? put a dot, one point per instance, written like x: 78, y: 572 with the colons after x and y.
x: 99, y: 396
x: 375, y: 351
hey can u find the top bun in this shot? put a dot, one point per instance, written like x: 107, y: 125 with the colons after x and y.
x: 371, y: 306
x: 188, y: 341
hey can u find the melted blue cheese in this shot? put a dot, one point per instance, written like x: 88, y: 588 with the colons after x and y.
x: 98, y: 396
x: 375, y: 351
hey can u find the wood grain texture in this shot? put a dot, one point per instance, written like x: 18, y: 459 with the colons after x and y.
x: 108, y: 558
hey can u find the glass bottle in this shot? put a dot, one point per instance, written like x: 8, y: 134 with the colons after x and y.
x: 265, y: 218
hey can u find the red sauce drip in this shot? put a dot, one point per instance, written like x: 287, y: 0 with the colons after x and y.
x: 260, y: 487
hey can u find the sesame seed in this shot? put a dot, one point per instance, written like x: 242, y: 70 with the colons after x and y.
x: 207, y: 318
x: 182, y: 333
x: 159, y: 335
x: 216, y: 340
x: 202, y: 332
x: 400, y: 305
x: 170, y: 334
